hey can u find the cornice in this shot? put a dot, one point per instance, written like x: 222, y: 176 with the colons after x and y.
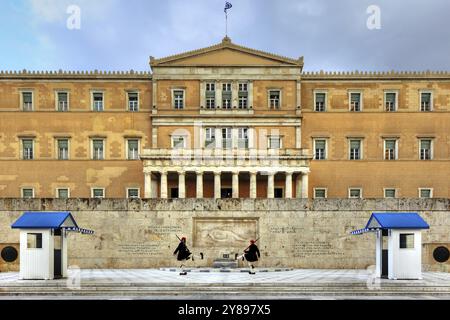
x: 375, y: 75
x: 76, y: 75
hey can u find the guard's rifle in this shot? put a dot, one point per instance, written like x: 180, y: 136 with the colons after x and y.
x: 252, y: 243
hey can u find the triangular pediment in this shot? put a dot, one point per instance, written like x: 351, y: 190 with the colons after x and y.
x: 225, y: 54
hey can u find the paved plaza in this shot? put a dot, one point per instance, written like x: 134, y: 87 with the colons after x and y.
x: 225, y: 284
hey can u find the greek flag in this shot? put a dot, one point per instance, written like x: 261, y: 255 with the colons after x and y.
x: 228, y: 6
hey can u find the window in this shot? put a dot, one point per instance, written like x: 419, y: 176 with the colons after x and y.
x: 226, y: 95
x: 178, y: 142
x: 27, y: 149
x: 174, y: 193
x: 406, y: 240
x: 390, y: 99
x: 278, y: 193
x: 320, y: 101
x: 210, y: 137
x: 425, y: 193
x: 27, y: 101
x: 62, y: 193
x: 133, y: 101
x: 226, y: 87
x: 390, y: 193
x: 98, y: 149
x: 178, y: 99
x: 320, y: 149
x: 133, y: 193
x: 274, y: 142
x: 63, y: 149
x: 425, y: 149
x: 226, y: 138
x: 243, y: 138
x: 210, y: 96
x: 274, y: 99
x: 355, y: 193
x: 34, y: 240
x: 243, y: 95
x: 390, y: 149
x: 355, y: 149
x: 27, y: 193
x: 97, y: 98
x: 355, y: 101
x: 426, y: 101
x: 62, y: 101
x: 98, y: 193
x: 133, y: 149
x: 320, y: 193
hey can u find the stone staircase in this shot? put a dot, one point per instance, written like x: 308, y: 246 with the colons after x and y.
x: 219, y: 290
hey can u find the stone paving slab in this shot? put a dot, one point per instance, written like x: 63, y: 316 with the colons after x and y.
x: 166, y: 284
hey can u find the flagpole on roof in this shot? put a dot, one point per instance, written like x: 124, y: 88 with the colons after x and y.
x: 228, y: 6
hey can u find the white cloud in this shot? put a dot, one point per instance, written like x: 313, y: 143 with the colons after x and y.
x: 310, y: 8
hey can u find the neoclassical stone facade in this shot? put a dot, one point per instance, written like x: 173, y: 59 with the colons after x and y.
x: 224, y: 121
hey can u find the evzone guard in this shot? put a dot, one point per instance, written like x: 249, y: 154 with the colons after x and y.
x: 251, y: 255
x: 183, y: 254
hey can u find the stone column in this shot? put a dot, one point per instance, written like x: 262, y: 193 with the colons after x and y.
x: 235, y: 184
x: 148, y: 185
x: 305, y: 185
x: 182, y: 185
x: 218, y: 138
x: 298, y: 137
x: 250, y: 94
x: 217, y: 185
x: 271, y: 185
x: 288, y: 188
x: 164, y: 185
x: 251, y: 138
x: 253, y: 190
x: 203, y: 94
x: 199, y: 185
x: 234, y: 94
x: 218, y: 96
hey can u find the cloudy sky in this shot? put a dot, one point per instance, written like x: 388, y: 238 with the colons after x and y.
x: 122, y: 34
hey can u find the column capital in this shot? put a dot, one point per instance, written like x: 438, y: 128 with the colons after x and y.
x: 182, y: 173
x: 217, y: 173
x: 199, y: 172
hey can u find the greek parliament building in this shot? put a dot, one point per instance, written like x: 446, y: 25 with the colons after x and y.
x: 224, y: 122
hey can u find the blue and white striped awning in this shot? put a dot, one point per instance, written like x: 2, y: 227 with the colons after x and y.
x: 79, y: 230
x: 362, y: 231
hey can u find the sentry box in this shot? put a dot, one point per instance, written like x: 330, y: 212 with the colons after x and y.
x: 398, y: 244
x: 43, y: 244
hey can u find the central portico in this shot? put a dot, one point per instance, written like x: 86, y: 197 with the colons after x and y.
x: 226, y: 123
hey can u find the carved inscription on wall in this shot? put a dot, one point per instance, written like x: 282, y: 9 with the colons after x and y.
x: 165, y: 229
x: 285, y: 229
x: 140, y: 249
x: 224, y: 233
x: 307, y: 249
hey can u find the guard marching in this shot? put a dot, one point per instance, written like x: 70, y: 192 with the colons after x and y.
x: 183, y: 254
x: 251, y: 255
